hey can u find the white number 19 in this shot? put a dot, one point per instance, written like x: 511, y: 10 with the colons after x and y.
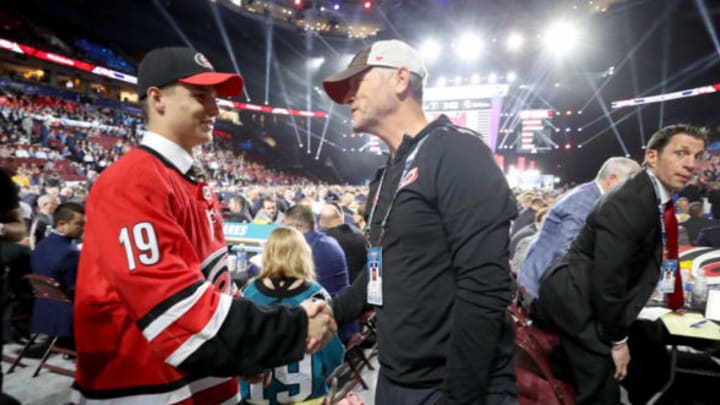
x: 145, y: 241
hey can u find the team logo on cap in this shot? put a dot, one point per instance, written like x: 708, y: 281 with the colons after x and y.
x: 201, y: 60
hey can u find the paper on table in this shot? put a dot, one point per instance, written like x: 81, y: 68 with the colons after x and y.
x: 712, y: 310
x: 679, y: 325
x: 653, y: 313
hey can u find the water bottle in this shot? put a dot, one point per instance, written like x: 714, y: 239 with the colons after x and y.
x: 242, y: 259
x: 700, y: 289
x: 232, y: 262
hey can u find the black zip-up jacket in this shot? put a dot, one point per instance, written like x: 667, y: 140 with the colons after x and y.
x: 446, y: 279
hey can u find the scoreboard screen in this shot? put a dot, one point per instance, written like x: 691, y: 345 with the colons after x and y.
x: 475, y: 107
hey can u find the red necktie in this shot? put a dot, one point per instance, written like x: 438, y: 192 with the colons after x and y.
x: 675, y: 299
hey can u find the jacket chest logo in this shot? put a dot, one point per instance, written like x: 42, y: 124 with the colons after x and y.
x: 409, y: 178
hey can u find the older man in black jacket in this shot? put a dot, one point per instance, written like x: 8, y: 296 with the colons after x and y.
x: 439, y: 220
x: 614, y: 265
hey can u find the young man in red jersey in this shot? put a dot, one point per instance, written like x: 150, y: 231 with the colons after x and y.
x: 157, y: 319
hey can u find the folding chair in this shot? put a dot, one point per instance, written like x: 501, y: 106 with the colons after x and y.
x: 342, y: 395
x: 355, y: 358
x: 45, y: 287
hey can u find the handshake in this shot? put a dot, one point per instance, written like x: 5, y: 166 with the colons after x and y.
x: 321, y: 325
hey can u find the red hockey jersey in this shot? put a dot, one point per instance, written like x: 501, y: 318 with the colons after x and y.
x: 155, y: 319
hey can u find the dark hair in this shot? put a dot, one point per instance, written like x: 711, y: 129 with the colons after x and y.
x: 541, y: 214
x: 695, y: 209
x: 238, y: 199
x: 416, y: 87
x: 301, y: 214
x: 268, y: 199
x: 662, y: 137
x: 66, y: 211
x: 538, y: 201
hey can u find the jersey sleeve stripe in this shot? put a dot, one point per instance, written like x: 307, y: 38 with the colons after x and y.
x: 168, y: 303
x: 207, y: 333
x: 208, y: 260
x: 233, y: 401
x: 169, y: 397
x: 216, y: 268
x: 162, y: 321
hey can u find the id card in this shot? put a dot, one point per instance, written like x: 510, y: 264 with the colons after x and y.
x: 374, y: 269
x: 667, y: 276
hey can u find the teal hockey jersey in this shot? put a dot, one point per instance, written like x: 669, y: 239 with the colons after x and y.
x: 299, y: 381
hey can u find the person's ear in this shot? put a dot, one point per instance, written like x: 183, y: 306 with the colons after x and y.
x: 155, y: 100
x: 651, y: 156
x: 402, y: 81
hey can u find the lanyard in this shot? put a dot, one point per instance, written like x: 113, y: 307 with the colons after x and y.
x: 408, y: 162
x: 661, y: 208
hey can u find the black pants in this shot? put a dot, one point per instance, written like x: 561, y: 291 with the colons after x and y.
x: 589, y: 357
x: 389, y: 393
x: 649, y: 361
x: 17, y: 258
x: 592, y: 371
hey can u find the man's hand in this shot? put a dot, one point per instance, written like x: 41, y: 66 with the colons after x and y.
x: 265, y: 377
x: 621, y: 358
x: 321, y: 325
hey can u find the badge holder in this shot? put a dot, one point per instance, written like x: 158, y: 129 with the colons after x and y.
x: 669, y: 268
x: 374, y: 269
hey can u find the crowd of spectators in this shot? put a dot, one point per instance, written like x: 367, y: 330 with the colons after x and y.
x: 48, y: 138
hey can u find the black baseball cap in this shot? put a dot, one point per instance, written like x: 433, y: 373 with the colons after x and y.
x: 164, y: 66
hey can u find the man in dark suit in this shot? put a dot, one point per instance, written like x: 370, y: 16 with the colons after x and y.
x: 566, y: 218
x: 58, y: 257
x: 709, y: 237
x: 238, y: 210
x: 351, y: 240
x: 527, y: 216
x: 612, y: 267
x: 43, y: 221
x: 696, y: 222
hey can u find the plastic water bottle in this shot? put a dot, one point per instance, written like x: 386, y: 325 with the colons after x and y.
x: 242, y: 259
x: 232, y: 262
x: 700, y: 289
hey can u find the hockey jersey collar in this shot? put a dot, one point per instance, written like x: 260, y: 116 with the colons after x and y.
x: 169, y: 150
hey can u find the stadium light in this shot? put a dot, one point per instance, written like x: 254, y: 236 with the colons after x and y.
x: 468, y: 47
x: 297, y: 3
x: 475, y: 79
x: 511, y: 77
x: 514, y: 42
x: 367, y: 4
x: 441, y: 82
x: 430, y: 49
x: 561, y: 37
x: 492, y: 78
x: 315, y: 63
x: 336, y: 6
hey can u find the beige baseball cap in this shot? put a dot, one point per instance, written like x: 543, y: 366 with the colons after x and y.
x: 390, y: 53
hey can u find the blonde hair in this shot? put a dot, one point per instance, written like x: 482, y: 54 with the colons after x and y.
x: 286, y: 254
